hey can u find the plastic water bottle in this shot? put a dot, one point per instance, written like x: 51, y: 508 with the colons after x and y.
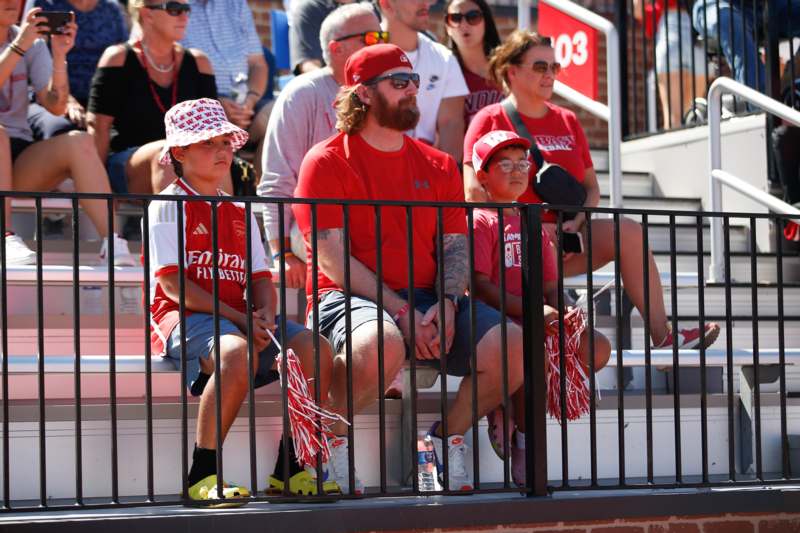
x: 426, y: 464
x: 239, y: 88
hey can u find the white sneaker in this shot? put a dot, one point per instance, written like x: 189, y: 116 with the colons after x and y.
x: 122, y: 255
x: 17, y: 252
x: 457, y: 461
x: 337, y: 467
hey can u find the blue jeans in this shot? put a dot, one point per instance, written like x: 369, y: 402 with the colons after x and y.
x: 736, y: 31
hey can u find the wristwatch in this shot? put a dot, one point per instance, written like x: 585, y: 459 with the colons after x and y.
x: 453, y: 298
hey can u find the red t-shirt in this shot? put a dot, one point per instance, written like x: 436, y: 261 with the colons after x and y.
x: 482, y: 92
x: 197, y: 255
x: 485, y: 224
x: 558, y: 135
x: 346, y: 167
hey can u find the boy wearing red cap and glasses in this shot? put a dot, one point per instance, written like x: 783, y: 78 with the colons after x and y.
x: 372, y: 159
x: 200, y: 144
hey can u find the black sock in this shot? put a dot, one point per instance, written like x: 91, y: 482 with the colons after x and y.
x: 204, y: 464
x: 293, y: 466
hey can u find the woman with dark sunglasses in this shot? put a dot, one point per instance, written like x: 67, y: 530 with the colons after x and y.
x: 473, y: 35
x: 133, y: 87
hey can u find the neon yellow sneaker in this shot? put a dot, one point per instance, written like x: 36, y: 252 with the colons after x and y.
x: 206, y: 489
x: 303, y: 483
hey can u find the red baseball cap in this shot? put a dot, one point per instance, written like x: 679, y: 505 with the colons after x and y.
x: 372, y: 61
x: 491, y: 143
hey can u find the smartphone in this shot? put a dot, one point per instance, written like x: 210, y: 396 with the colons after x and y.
x: 573, y: 243
x: 56, y: 20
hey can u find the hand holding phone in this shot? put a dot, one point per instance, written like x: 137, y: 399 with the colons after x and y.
x: 573, y: 243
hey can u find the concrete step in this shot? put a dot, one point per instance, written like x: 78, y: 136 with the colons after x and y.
x: 633, y: 183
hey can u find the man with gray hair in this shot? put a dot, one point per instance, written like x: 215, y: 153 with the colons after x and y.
x: 303, y: 115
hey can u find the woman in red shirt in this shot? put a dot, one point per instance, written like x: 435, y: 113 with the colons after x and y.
x: 473, y: 35
x: 525, y: 64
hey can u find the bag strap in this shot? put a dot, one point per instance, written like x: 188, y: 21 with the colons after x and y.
x: 522, y: 131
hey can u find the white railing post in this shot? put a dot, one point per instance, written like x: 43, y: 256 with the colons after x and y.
x: 717, y: 177
x: 524, y: 14
x: 715, y: 268
x: 612, y: 111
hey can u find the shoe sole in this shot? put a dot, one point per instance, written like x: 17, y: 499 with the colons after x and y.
x: 707, y: 340
x: 494, y: 428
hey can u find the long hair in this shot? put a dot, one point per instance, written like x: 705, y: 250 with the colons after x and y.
x: 351, y: 112
x: 511, y: 52
x: 133, y: 10
x: 491, y: 37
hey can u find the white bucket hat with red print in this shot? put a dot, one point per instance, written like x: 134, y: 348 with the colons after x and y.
x: 194, y: 121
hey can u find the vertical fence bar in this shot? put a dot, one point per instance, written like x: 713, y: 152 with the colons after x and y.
x: 473, y: 352
x: 756, y: 368
x: 76, y: 343
x: 381, y: 369
x: 592, y: 369
x: 4, y: 340
x: 620, y: 363
x: 562, y: 363
x: 40, y: 358
x: 676, y: 394
x: 315, y: 330
x: 250, y: 307
x: 701, y: 312
x: 729, y: 351
x: 785, y: 474
x: 217, y: 347
x: 648, y: 379
x: 442, y: 336
x: 182, y: 326
x: 413, y: 357
x: 112, y: 353
x: 348, y: 350
x: 533, y: 348
x: 285, y: 430
x: 148, y: 366
x: 501, y: 225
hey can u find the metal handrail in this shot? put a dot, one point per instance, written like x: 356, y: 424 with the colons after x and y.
x: 718, y: 177
x: 611, y: 112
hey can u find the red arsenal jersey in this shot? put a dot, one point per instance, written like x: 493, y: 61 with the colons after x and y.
x: 197, y: 255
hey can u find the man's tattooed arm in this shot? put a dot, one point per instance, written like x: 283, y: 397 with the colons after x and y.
x: 456, y: 265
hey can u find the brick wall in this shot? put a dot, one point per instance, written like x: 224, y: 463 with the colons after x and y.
x: 596, y: 130
x: 729, y: 523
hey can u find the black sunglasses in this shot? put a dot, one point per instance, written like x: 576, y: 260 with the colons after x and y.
x: 473, y: 18
x: 368, y: 37
x: 174, y: 9
x: 400, y: 80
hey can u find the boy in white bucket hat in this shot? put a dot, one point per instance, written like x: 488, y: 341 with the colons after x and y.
x: 200, y: 143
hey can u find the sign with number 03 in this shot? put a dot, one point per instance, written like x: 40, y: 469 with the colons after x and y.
x: 575, y: 44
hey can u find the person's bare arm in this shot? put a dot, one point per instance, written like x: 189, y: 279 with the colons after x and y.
x: 99, y: 125
x: 450, y: 127
x: 592, y: 200
x: 309, y: 65
x: 473, y: 190
x: 55, y: 95
x: 456, y: 276
x: 257, y: 75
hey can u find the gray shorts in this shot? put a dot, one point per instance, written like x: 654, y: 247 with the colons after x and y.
x: 200, y: 342
x: 332, y: 322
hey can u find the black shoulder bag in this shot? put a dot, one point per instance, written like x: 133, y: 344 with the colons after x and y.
x: 553, y: 184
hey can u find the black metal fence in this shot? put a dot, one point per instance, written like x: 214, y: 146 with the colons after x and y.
x: 532, y: 323
x: 673, y: 55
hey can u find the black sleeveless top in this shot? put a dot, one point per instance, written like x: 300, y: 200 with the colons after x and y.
x: 124, y: 93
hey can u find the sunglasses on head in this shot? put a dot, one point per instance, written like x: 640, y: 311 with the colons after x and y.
x: 368, y: 37
x: 173, y: 8
x: 400, y: 80
x: 473, y: 18
x: 541, y: 67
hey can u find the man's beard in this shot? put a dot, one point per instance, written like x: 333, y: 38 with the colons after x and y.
x: 402, y: 117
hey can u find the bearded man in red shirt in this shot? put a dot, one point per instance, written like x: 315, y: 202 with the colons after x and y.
x: 372, y: 159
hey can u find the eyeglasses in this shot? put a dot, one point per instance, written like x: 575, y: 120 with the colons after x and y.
x: 174, y: 9
x: 507, y: 166
x: 473, y: 18
x: 369, y: 37
x: 400, y: 80
x: 541, y: 67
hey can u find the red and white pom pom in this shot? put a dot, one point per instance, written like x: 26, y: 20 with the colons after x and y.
x: 310, y: 424
x: 577, y: 396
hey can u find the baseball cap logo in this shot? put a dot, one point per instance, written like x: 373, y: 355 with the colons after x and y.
x: 403, y: 59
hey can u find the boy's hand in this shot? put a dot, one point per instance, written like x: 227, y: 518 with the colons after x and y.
x: 551, y: 316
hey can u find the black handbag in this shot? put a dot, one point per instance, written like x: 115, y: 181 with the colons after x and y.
x: 553, y: 184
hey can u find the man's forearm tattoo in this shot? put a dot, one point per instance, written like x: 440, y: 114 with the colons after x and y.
x: 456, y: 267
